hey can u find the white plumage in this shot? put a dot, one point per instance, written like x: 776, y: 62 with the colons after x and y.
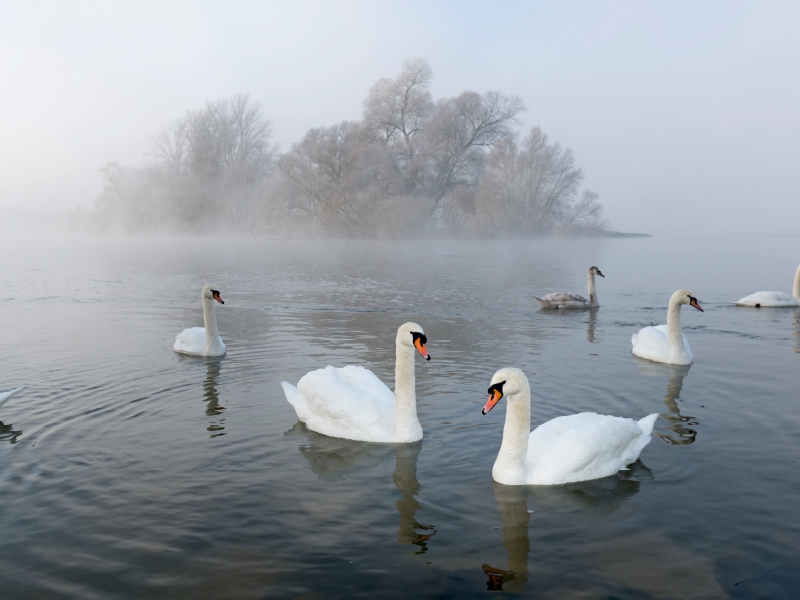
x: 652, y: 343
x: 6, y: 396
x: 774, y: 299
x: 666, y: 343
x: 352, y: 403
x: 203, y: 341
x: 565, y: 449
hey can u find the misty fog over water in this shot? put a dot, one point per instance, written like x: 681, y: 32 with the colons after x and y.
x: 127, y: 470
x: 325, y: 172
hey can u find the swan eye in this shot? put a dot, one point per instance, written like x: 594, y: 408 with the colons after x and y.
x: 416, y: 335
x: 497, y: 387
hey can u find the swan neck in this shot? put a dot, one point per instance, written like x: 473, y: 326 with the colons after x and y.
x: 674, y: 328
x: 796, y: 287
x: 592, y: 290
x: 405, y: 397
x: 210, y: 322
x: 512, y: 459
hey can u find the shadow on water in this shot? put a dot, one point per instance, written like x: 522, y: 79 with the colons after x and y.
x: 8, y: 433
x: 571, y: 314
x: 211, y: 395
x: 331, y: 459
x: 796, y: 324
x: 595, y: 498
x: 591, y: 323
x: 682, y: 435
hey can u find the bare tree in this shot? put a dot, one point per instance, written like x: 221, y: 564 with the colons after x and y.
x: 461, y: 130
x: 531, y: 188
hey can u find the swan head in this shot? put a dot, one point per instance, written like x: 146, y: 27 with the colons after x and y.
x: 506, y: 382
x: 411, y: 335
x: 685, y: 297
x: 596, y: 271
x: 209, y: 293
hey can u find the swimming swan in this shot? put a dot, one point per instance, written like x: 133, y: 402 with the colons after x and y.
x: 564, y: 300
x: 565, y: 449
x: 666, y: 343
x: 203, y: 341
x: 6, y: 396
x: 774, y: 299
x: 352, y: 403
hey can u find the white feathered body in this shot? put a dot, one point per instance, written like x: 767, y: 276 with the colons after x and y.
x: 653, y: 344
x: 768, y: 300
x: 203, y: 341
x: 350, y: 403
x: 584, y: 446
x: 194, y: 341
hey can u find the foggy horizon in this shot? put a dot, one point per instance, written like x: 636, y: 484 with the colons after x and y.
x: 682, y: 118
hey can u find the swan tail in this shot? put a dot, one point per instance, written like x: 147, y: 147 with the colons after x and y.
x: 6, y: 396
x: 542, y: 302
x: 647, y: 423
x: 297, y: 400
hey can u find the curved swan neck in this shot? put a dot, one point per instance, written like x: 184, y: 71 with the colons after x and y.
x: 796, y: 287
x: 405, y: 396
x: 210, y: 322
x: 512, y: 459
x: 592, y: 290
x: 674, y: 327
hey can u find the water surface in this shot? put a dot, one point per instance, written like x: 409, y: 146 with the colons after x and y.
x: 127, y: 471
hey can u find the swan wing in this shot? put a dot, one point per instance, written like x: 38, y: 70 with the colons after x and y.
x: 6, y: 396
x: 563, y: 300
x: 367, y: 381
x: 583, y: 447
x: 336, y: 407
x: 768, y: 299
x: 191, y: 341
x: 652, y: 343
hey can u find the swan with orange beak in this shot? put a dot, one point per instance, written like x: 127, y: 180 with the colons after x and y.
x: 565, y: 449
x: 203, y: 341
x: 352, y: 403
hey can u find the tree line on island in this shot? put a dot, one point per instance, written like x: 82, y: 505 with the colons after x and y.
x: 457, y: 165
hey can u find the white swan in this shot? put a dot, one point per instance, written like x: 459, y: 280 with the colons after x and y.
x: 564, y: 300
x: 203, y: 341
x: 6, y: 396
x: 565, y: 449
x: 352, y: 403
x: 774, y: 299
x: 666, y: 343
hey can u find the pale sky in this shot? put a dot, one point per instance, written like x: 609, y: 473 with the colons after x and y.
x: 685, y: 116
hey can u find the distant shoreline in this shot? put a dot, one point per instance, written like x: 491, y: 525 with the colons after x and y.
x: 622, y: 234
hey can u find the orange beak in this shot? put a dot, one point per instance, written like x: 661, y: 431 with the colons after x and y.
x: 693, y: 302
x: 218, y: 298
x: 494, y: 398
x: 421, y: 349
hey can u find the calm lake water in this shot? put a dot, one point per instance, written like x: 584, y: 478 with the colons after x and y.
x: 127, y: 471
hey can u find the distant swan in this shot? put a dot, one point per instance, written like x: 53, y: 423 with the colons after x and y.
x: 203, y: 341
x: 666, y: 343
x: 6, y: 396
x: 352, y: 403
x: 774, y: 299
x: 564, y: 300
x: 565, y: 449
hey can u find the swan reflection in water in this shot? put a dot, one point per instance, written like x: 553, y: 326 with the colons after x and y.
x: 332, y: 458
x: 796, y: 323
x: 678, y: 423
x: 211, y: 396
x: 590, y: 327
x: 595, y: 498
x: 8, y: 433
